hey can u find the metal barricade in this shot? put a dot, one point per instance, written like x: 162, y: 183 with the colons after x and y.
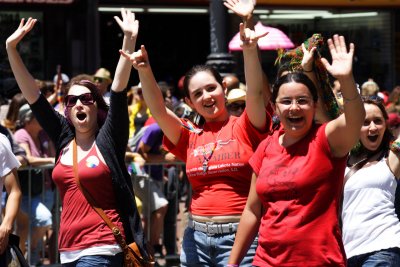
x: 57, y: 204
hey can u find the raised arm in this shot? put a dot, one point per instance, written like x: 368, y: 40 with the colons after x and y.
x: 344, y: 132
x: 244, y: 9
x: 130, y: 26
x: 254, y: 77
x: 166, y: 119
x: 307, y: 64
x: 248, y: 226
x: 24, y: 79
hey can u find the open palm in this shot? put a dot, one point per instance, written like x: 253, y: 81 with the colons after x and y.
x: 129, y: 25
x: 23, y: 29
x: 242, y: 8
x: 342, y: 60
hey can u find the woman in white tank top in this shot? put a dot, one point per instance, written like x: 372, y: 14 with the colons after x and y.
x: 371, y: 228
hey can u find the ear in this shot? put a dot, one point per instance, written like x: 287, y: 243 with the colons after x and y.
x: 224, y: 87
x: 189, y: 103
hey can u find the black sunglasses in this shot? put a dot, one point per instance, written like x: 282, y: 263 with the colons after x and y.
x: 86, y: 99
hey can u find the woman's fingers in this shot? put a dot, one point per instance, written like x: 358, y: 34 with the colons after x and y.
x: 258, y: 36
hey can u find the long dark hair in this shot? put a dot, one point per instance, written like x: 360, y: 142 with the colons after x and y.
x: 297, y: 77
x: 102, y: 107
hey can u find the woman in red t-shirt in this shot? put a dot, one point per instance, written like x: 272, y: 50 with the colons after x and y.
x: 216, y: 153
x: 298, y: 173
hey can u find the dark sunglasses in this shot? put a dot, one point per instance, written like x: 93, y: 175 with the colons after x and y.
x: 86, y: 99
x: 236, y: 106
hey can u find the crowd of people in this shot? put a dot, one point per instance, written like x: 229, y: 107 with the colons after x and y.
x: 299, y: 171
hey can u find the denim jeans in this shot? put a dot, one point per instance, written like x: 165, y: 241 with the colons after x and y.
x: 200, y: 249
x: 383, y: 258
x: 97, y: 260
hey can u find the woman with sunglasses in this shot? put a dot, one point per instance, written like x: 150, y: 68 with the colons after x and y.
x: 216, y: 155
x: 298, y: 174
x: 371, y: 228
x: 101, y: 136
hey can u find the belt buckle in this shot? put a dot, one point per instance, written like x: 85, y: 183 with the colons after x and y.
x: 212, y: 229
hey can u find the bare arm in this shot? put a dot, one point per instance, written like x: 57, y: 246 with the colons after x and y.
x: 130, y: 26
x: 394, y: 160
x: 254, y: 78
x: 166, y: 119
x: 35, y: 161
x: 12, y: 206
x: 244, y: 9
x: 24, y: 79
x: 321, y: 115
x: 248, y: 226
x: 344, y: 132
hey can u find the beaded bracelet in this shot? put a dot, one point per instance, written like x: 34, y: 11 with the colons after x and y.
x: 232, y: 265
x: 395, y: 147
x: 308, y: 70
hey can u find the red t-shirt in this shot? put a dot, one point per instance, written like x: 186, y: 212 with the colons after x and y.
x: 300, y: 188
x: 223, y: 190
x: 80, y: 226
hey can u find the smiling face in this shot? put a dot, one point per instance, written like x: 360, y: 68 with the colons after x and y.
x: 83, y: 115
x: 207, y: 96
x: 295, y: 107
x: 374, y: 127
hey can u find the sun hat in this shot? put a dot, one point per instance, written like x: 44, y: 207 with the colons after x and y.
x: 235, y: 95
x: 103, y: 73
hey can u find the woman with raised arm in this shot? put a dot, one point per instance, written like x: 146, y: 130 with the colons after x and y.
x: 216, y: 154
x: 371, y: 227
x: 99, y: 137
x: 298, y: 174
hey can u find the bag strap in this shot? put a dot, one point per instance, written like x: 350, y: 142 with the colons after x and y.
x: 115, y: 230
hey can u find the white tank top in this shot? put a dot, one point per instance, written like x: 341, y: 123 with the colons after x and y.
x: 369, y: 219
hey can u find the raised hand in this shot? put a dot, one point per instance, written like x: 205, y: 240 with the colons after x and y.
x: 249, y: 37
x: 139, y: 59
x: 308, y: 58
x: 23, y: 29
x: 129, y: 25
x: 242, y: 8
x: 342, y: 60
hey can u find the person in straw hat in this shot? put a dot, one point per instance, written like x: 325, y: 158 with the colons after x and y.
x: 103, y: 80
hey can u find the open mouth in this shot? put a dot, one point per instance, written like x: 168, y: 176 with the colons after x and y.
x: 295, y: 119
x: 209, y: 105
x: 81, y: 116
x: 373, y: 138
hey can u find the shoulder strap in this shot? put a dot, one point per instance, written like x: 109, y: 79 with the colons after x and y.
x: 354, y: 169
x: 115, y: 230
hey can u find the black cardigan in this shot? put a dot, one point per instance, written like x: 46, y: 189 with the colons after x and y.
x: 111, y: 139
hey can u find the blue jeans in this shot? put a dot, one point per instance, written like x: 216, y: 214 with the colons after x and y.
x: 383, y: 258
x: 97, y: 260
x: 200, y: 249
